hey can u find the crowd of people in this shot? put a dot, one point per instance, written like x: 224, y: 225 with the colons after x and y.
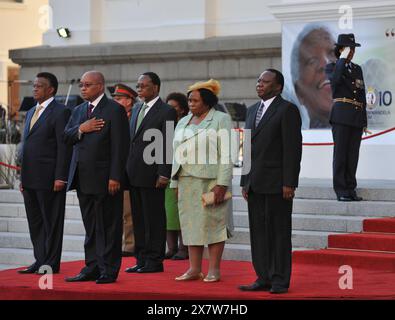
x: 133, y: 199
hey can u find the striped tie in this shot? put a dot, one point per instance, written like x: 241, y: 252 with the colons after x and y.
x: 141, y: 115
x: 259, y: 114
x: 90, y: 110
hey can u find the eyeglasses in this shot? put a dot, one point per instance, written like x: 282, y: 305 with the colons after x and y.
x: 38, y: 86
x: 87, y: 85
x: 141, y: 86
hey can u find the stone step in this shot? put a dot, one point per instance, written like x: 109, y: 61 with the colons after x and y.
x: 333, y: 223
x: 20, y: 225
x: 16, y: 210
x: 24, y: 257
x: 333, y: 207
x: 299, y: 222
x: 242, y: 252
x: 14, y: 196
x: 370, y: 190
x: 300, y: 238
x: 309, y: 222
x: 17, y: 240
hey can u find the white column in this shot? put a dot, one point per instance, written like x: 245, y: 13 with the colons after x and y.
x: 3, y: 78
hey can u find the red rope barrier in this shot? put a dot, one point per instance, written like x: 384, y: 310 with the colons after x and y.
x: 364, y: 138
x: 241, y: 130
x: 331, y: 143
x: 9, y: 166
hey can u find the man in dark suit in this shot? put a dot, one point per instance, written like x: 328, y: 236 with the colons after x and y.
x: 45, y: 164
x: 148, y: 180
x: 269, y: 186
x: 98, y: 129
x: 348, y: 116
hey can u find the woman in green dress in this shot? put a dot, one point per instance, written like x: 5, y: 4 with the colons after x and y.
x: 202, y: 163
x: 175, y: 246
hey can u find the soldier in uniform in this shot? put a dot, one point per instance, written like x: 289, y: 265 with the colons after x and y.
x: 126, y: 97
x: 348, y: 116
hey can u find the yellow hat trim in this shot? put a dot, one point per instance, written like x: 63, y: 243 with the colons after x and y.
x: 212, y: 85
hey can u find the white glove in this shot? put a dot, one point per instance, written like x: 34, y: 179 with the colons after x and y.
x: 345, y: 53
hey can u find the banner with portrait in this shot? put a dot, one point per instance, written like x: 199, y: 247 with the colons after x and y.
x: 307, y: 48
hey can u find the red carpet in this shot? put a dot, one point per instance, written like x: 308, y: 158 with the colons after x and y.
x: 315, y: 275
x: 385, y: 225
x: 372, y: 250
x: 318, y: 281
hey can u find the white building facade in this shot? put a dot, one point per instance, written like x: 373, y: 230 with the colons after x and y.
x: 185, y: 41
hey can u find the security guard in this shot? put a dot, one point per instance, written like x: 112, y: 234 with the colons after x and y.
x: 348, y: 116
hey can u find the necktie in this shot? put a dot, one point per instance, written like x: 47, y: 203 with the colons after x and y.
x: 259, y: 114
x: 90, y: 108
x: 141, y: 116
x: 35, y: 116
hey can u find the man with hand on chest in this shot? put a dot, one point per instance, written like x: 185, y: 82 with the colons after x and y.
x: 98, y: 129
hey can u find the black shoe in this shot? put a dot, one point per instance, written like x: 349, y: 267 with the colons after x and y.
x: 278, y: 290
x: 254, y: 287
x: 169, y: 254
x: 345, y: 198
x: 134, y: 268
x: 104, y: 279
x: 29, y: 270
x: 151, y: 269
x: 127, y: 254
x: 179, y: 256
x: 356, y: 198
x: 81, y: 277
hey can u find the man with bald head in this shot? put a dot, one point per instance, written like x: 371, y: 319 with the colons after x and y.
x: 98, y: 130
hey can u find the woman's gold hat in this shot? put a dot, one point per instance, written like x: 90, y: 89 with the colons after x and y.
x: 212, y: 85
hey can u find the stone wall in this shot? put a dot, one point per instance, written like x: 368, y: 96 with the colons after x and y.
x: 235, y: 61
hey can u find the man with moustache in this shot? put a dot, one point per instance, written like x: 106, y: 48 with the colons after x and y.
x: 269, y: 186
x: 149, y: 180
x: 98, y: 130
x: 45, y: 164
x: 126, y: 97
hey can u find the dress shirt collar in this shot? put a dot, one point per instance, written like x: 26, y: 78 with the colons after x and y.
x: 268, y: 102
x: 46, y: 103
x: 96, y: 101
x: 150, y: 104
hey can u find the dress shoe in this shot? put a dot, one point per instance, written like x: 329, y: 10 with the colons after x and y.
x: 180, y: 256
x: 81, y: 277
x: 169, y: 254
x: 127, y: 254
x: 104, y: 279
x: 356, y: 198
x: 28, y: 270
x: 189, y: 276
x: 344, y: 198
x: 255, y: 287
x: 278, y: 290
x: 212, y: 278
x: 151, y: 269
x: 134, y: 268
